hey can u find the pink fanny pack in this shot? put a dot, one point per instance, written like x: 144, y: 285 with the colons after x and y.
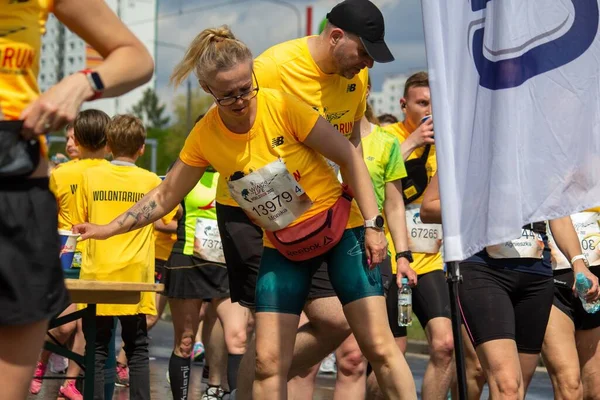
x: 318, y: 234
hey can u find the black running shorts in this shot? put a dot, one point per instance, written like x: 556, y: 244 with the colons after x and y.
x: 190, y: 277
x: 500, y: 303
x: 567, y: 302
x: 32, y: 284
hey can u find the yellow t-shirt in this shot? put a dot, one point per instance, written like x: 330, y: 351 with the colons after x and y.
x: 290, y: 68
x: 165, y: 241
x: 64, y: 182
x: 22, y: 24
x: 106, y: 192
x: 423, y: 263
x: 282, y: 123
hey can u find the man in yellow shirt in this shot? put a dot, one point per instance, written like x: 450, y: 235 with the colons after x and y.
x: 106, y: 191
x: 89, y: 136
x: 329, y: 73
x: 71, y: 149
x: 431, y: 301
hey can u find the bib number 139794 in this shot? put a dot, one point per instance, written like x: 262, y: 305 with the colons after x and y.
x: 270, y: 196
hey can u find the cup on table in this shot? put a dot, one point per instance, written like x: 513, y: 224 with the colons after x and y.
x: 68, y: 243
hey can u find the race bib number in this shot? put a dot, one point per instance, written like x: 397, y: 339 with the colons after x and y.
x: 588, y: 230
x: 207, y: 241
x: 529, y: 245
x: 422, y: 238
x: 271, y: 197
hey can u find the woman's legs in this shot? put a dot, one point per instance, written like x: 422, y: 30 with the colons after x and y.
x: 78, y: 347
x: 360, y: 291
x: 588, y: 346
x: 351, y: 380
x: 560, y: 356
x: 302, y: 387
x: 474, y: 372
x: 234, y: 319
x: 216, y: 352
x: 185, y: 314
x: 19, y: 350
x: 275, y: 337
x: 281, y: 291
x: 62, y: 334
x: 368, y: 321
x: 500, y: 362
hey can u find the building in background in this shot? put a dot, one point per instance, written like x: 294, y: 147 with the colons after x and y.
x: 388, y: 100
x: 64, y: 53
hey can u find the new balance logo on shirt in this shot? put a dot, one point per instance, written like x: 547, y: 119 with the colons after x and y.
x: 278, y: 141
x: 351, y: 88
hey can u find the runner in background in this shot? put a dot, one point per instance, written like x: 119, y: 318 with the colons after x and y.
x: 506, y: 296
x: 90, y: 138
x: 71, y: 150
x: 34, y: 292
x: 431, y: 300
x: 387, y: 119
x: 571, y: 345
x: 196, y: 271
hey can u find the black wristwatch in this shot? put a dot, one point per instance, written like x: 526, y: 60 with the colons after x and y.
x: 375, y: 223
x: 405, y: 254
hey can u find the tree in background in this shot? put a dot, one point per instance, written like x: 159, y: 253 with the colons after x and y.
x: 171, y: 139
x: 149, y: 110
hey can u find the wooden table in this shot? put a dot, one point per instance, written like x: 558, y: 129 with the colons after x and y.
x: 93, y: 293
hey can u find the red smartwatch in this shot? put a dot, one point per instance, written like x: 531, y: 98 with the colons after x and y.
x: 95, y: 82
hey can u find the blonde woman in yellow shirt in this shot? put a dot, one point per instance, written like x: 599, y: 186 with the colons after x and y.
x: 272, y: 148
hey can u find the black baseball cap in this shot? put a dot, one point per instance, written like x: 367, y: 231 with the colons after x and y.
x: 363, y: 18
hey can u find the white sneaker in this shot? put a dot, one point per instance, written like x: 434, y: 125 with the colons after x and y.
x: 328, y: 365
x: 58, y: 364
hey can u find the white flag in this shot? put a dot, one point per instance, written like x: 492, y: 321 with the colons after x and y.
x: 516, y: 102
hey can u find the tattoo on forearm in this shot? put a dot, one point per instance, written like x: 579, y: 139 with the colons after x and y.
x: 141, y: 214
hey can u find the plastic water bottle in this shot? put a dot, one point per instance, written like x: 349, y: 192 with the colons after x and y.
x: 582, y: 285
x: 405, y: 304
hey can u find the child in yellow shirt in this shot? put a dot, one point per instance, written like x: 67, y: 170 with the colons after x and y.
x: 87, y: 134
x: 107, y: 191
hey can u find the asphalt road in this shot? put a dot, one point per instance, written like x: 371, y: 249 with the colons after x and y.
x: 161, y: 348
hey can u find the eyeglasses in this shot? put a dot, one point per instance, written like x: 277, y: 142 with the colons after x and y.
x: 230, y: 100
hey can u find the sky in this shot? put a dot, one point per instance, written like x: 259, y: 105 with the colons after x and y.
x: 263, y: 23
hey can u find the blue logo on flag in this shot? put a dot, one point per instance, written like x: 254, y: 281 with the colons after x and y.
x: 513, y: 72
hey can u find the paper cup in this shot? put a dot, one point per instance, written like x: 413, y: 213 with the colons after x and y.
x: 68, y: 242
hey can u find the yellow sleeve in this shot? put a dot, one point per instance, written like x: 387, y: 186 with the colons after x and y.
x: 362, y: 106
x: 80, y: 210
x: 191, y: 154
x: 169, y: 217
x: 52, y: 186
x: 301, y: 118
x: 267, y: 72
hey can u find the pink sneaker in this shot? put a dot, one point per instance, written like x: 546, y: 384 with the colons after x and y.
x: 122, y: 376
x: 36, y: 382
x: 70, y: 392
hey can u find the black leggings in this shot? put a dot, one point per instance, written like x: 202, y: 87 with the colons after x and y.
x: 499, y: 303
x: 135, y: 338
